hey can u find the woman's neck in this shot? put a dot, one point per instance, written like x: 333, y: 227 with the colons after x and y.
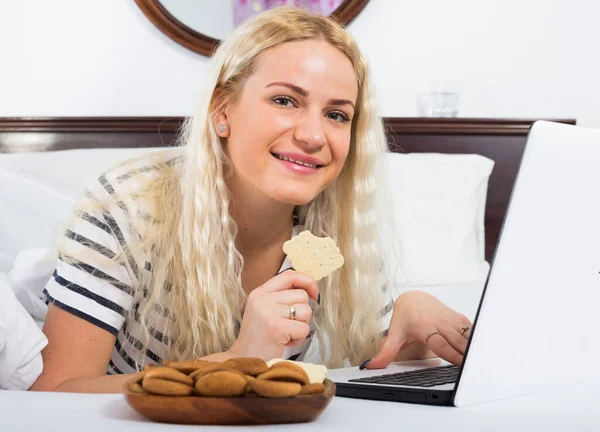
x: 262, y: 222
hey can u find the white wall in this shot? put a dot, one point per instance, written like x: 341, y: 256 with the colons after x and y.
x: 515, y: 58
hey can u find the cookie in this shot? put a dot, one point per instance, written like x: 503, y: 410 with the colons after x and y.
x: 286, y: 374
x: 222, y: 383
x: 141, y: 374
x: 165, y: 387
x: 208, y: 369
x: 290, y: 365
x: 248, y: 365
x: 315, y: 256
x: 274, y: 389
x: 169, y: 374
x: 187, y: 366
x: 316, y: 372
x: 312, y: 389
x: 135, y: 387
x: 236, y: 377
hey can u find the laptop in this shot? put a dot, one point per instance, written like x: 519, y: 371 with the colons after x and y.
x: 537, y: 324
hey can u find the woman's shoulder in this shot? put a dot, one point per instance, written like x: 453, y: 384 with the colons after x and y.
x: 134, y: 176
x: 126, y: 194
x: 153, y: 165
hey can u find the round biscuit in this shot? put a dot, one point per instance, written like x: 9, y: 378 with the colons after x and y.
x: 167, y: 373
x: 135, y: 387
x: 274, y: 389
x: 208, y: 369
x: 291, y: 365
x: 248, y: 365
x: 222, y: 383
x: 311, y: 389
x: 166, y: 387
x: 187, y: 366
x: 285, y: 374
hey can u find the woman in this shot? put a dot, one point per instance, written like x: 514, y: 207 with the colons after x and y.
x: 179, y: 255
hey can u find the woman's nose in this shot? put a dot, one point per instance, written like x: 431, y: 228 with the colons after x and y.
x: 309, y: 132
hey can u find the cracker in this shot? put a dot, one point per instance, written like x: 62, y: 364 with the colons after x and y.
x: 315, y: 256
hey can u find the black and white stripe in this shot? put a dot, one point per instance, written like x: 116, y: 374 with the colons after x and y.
x: 89, y: 282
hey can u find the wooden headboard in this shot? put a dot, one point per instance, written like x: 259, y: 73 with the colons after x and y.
x: 500, y: 140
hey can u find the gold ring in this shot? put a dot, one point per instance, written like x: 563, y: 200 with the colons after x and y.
x: 464, y: 329
x: 292, y: 312
x: 435, y: 332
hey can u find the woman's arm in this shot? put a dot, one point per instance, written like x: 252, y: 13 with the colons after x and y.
x: 77, y: 356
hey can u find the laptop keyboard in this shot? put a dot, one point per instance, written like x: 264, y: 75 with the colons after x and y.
x: 428, y: 377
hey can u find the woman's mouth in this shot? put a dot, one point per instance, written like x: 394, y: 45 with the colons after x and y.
x: 287, y: 159
x: 303, y: 165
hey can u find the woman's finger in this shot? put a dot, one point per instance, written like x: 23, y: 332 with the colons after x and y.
x: 295, y: 342
x: 295, y: 330
x: 291, y: 296
x: 458, y: 342
x: 303, y: 311
x: 465, y: 331
x: 290, y: 279
x: 440, y: 346
x: 394, y: 341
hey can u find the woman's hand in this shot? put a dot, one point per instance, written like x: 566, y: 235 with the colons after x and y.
x: 420, y: 317
x: 268, y: 326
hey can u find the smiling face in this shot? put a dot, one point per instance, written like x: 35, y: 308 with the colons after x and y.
x: 288, y: 134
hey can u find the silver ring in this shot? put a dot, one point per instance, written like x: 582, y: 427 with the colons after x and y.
x: 292, y: 312
x: 435, y: 332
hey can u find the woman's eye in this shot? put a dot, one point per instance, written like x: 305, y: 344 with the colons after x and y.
x: 285, y: 101
x: 338, y: 116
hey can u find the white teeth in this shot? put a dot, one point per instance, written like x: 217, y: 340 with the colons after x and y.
x: 295, y: 161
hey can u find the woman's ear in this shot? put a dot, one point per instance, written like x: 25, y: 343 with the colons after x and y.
x: 221, y: 125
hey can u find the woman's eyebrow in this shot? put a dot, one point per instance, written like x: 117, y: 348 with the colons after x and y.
x: 305, y: 93
x: 291, y: 86
x: 340, y: 102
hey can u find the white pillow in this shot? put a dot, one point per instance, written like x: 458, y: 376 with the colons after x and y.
x: 435, y: 201
x: 69, y: 170
x: 433, y: 208
x: 29, y: 214
x: 39, y: 191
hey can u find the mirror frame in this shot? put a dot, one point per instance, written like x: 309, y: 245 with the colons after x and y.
x: 205, y: 45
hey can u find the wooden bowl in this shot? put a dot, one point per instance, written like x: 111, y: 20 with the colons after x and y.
x: 249, y: 410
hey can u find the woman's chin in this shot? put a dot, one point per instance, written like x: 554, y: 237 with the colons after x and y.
x: 294, y: 198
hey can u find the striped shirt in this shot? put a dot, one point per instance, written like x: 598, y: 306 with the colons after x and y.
x: 89, y: 285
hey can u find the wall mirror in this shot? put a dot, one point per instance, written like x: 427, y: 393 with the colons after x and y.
x: 200, y: 25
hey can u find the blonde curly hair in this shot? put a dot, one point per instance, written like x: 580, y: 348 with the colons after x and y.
x: 191, y: 236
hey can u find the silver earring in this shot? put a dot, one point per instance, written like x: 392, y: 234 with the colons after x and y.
x: 222, y: 127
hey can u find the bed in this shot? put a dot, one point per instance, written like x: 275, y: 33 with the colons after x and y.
x: 52, y: 159
x: 501, y: 140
